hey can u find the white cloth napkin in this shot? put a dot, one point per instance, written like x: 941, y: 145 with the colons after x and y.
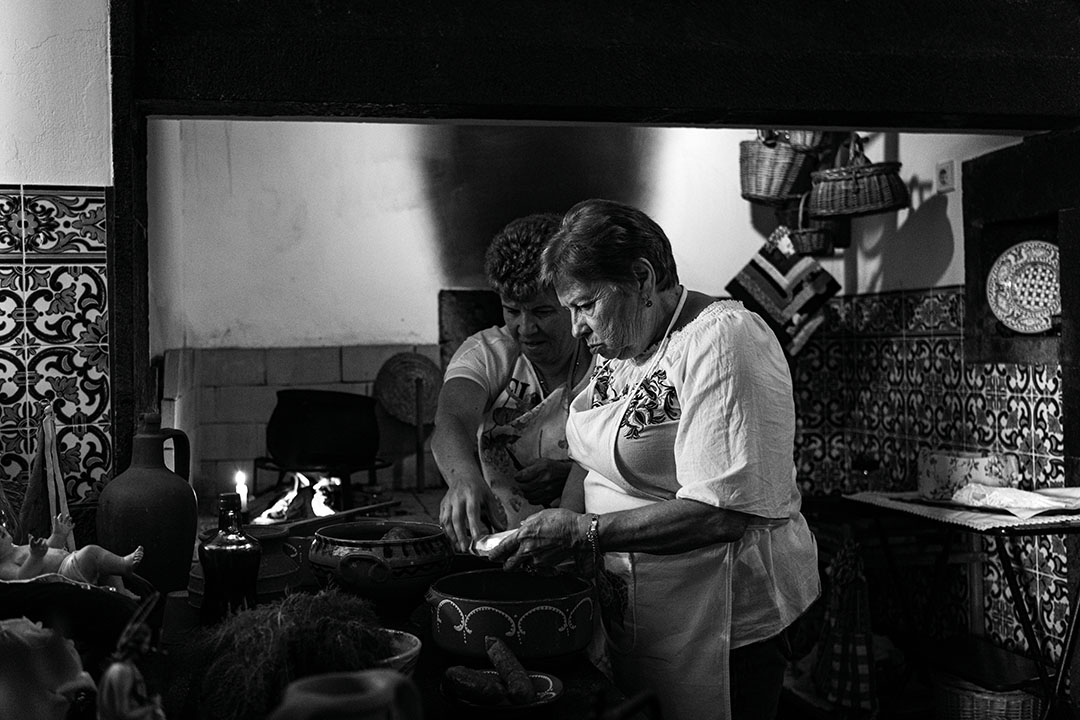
x: 1021, y: 503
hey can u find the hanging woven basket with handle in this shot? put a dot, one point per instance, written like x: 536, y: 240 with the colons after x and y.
x: 858, y: 188
x: 804, y: 141
x: 770, y: 170
x: 811, y: 237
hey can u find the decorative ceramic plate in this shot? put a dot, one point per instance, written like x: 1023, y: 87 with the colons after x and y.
x: 1023, y: 287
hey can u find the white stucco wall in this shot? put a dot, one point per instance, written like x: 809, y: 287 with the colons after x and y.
x: 54, y: 93
x: 269, y: 233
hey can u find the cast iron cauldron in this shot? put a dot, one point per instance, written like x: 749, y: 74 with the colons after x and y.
x: 538, y: 616
x: 322, y: 427
x: 394, y: 571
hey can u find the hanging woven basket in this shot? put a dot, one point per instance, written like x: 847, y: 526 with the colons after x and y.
x: 804, y: 141
x: 811, y: 236
x: 770, y: 170
x: 858, y: 188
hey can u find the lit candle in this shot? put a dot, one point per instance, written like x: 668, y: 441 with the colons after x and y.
x: 242, y: 489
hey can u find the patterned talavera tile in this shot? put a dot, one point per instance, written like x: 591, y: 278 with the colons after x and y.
x: 1053, y: 612
x: 879, y: 314
x: 12, y: 313
x: 11, y: 224
x: 978, y: 420
x: 894, y: 412
x: 66, y: 304
x: 934, y: 312
x: 837, y: 408
x: 74, y: 380
x: 1048, y: 434
x: 920, y: 414
x: 948, y: 418
x: 15, y: 450
x: 1012, y: 422
x: 837, y: 314
x: 1051, y: 558
x: 920, y: 371
x: 64, y: 221
x: 12, y: 382
x: 85, y: 454
x: 1047, y: 472
x: 948, y: 361
x: 1046, y: 380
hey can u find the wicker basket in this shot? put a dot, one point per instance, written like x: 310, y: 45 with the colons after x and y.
x: 811, y: 237
x: 804, y: 140
x: 770, y: 170
x: 858, y: 188
x: 956, y: 699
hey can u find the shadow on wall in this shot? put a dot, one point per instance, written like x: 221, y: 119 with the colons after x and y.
x: 922, y: 247
x: 482, y: 177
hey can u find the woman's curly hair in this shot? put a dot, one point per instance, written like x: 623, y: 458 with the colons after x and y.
x: 512, y: 261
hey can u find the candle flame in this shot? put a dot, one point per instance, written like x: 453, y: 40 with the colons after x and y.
x: 241, y: 488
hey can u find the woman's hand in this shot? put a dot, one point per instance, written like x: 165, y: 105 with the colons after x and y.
x: 542, y: 480
x: 470, y: 510
x: 545, y: 539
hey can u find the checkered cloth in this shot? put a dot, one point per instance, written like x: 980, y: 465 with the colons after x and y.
x: 844, y: 671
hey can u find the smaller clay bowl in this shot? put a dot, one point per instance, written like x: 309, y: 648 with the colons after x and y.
x: 392, y: 570
x: 404, y: 651
x: 538, y: 616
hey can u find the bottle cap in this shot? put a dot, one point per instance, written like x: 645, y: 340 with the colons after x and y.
x: 229, y: 501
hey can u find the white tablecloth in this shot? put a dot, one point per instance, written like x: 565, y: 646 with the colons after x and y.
x: 972, y: 519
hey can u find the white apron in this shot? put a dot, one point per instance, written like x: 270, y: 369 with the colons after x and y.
x: 669, y: 626
x: 539, y: 432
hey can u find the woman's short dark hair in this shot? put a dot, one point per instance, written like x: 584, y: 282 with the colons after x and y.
x: 512, y: 260
x: 599, y: 240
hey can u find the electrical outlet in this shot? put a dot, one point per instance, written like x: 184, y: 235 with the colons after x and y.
x: 945, y: 179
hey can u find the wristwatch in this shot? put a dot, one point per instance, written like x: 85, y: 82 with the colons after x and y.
x: 592, y: 535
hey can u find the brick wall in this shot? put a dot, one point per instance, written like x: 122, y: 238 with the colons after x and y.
x: 223, y: 398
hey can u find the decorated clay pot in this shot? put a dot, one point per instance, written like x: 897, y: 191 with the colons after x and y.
x: 392, y: 562
x: 538, y: 616
x: 943, y: 472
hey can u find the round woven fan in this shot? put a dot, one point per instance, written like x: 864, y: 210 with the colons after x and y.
x: 408, y: 386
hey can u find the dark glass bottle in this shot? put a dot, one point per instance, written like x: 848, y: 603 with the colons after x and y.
x: 230, y: 564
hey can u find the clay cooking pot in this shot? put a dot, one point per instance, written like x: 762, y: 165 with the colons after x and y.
x: 537, y: 616
x: 358, y: 556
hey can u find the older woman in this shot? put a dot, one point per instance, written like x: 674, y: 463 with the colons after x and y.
x: 687, y: 430
x: 500, y: 426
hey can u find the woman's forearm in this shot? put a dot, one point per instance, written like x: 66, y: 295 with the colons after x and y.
x: 668, y: 527
x: 454, y: 448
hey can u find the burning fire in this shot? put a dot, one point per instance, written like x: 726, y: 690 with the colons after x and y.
x: 305, y: 499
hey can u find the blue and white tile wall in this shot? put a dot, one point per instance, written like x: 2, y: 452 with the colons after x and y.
x: 54, y: 324
x: 885, y: 377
